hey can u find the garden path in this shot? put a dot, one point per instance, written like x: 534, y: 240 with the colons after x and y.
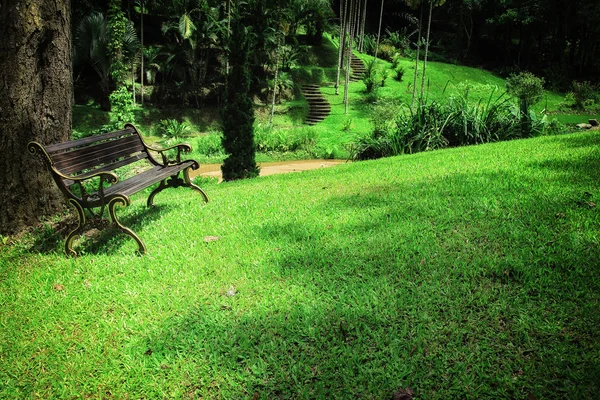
x: 270, y: 168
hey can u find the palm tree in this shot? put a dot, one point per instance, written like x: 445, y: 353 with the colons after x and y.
x: 90, y: 45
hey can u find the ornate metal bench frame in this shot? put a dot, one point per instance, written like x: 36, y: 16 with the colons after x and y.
x: 75, y: 164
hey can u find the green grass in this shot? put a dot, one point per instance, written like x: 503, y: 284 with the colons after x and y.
x: 462, y: 273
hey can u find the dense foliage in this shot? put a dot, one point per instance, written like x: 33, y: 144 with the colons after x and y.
x: 238, y: 113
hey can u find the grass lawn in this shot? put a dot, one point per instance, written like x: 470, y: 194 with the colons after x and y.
x: 463, y: 273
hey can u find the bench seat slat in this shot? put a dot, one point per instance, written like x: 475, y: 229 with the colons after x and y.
x: 145, y: 179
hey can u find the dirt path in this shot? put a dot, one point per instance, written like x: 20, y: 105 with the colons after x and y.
x: 271, y: 168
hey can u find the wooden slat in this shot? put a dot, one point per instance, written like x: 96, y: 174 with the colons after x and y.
x: 109, y: 167
x: 96, y: 152
x: 87, y: 141
x: 107, y: 146
x: 145, y: 179
x: 98, y: 160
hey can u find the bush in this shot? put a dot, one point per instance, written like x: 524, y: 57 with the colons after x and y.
x: 399, y: 40
x: 210, y: 144
x: 386, y: 51
x: 583, y: 94
x: 525, y: 86
x: 400, y: 71
x: 370, y: 77
x: 434, y: 125
x: 528, y: 88
x: 171, y: 128
x: 396, y: 60
x: 283, y: 140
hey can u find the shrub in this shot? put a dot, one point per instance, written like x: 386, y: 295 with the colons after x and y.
x: 347, y: 124
x: 384, y: 74
x: 171, y: 128
x: 386, y: 51
x: 398, y: 39
x: 210, y: 144
x: 370, y: 77
x: 528, y: 88
x: 396, y: 60
x: 434, y: 125
x: 283, y: 140
x: 400, y: 71
x: 583, y: 94
x: 369, y: 43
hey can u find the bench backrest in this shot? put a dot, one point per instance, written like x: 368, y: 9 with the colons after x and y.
x: 84, y: 157
x: 105, y: 152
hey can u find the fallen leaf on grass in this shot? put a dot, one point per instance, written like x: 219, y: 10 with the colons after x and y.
x: 58, y: 287
x: 403, y: 394
x: 209, y: 239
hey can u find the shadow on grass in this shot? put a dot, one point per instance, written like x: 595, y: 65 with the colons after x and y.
x: 99, y: 236
x: 447, y: 287
x: 478, y: 285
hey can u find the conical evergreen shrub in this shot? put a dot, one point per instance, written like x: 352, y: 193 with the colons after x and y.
x: 238, y: 113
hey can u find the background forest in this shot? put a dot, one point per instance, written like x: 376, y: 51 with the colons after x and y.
x: 174, y: 61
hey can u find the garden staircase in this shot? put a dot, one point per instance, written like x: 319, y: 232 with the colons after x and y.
x: 357, y: 67
x: 318, y: 106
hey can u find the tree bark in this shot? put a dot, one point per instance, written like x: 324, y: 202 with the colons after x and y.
x: 36, y: 85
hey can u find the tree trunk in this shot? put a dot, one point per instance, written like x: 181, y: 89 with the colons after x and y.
x: 341, y: 44
x: 414, y: 91
x: 362, y: 27
x: 426, y: 51
x: 142, y: 4
x: 379, y: 30
x: 36, y: 101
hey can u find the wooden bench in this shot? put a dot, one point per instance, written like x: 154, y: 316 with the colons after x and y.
x: 84, y: 171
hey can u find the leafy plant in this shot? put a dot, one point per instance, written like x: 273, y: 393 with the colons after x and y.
x: 528, y: 88
x: 171, y: 128
x: 400, y: 71
x: 283, y: 140
x: 347, y: 124
x: 583, y: 94
x: 370, y: 77
x: 384, y: 73
x: 121, y: 107
x: 209, y: 145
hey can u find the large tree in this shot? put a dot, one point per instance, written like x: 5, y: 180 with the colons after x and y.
x: 36, y: 84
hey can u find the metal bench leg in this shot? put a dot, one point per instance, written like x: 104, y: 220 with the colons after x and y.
x: 111, y: 209
x: 75, y: 232
x: 188, y: 181
x: 160, y: 188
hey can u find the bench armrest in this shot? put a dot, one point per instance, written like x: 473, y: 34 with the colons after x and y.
x: 180, y: 147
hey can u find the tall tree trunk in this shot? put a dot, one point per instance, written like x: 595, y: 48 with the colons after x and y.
x: 426, y: 51
x: 341, y: 44
x: 379, y: 30
x: 362, y: 27
x: 142, y: 3
x: 277, y: 56
x: 36, y: 101
x: 414, y: 91
x: 351, y: 24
